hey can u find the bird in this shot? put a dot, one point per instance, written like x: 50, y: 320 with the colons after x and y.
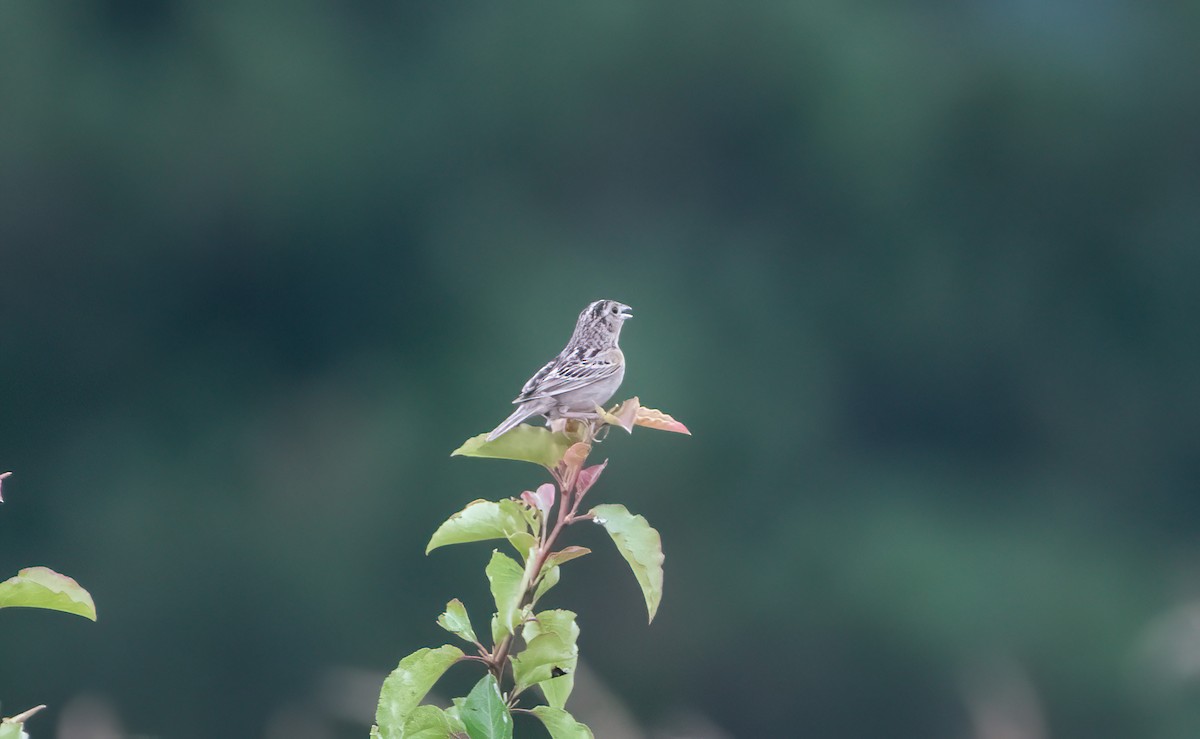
x: 585, y: 373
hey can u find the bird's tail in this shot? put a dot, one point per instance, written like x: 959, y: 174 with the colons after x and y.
x: 522, y: 412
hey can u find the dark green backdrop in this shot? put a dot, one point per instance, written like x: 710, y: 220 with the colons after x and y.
x: 920, y: 277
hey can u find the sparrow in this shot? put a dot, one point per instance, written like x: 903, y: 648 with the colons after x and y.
x: 584, y: 375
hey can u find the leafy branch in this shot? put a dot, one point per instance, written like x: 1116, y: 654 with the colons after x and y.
x: 528, y: 647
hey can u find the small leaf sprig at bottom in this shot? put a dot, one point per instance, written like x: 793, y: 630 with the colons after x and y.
x: 528, y: 647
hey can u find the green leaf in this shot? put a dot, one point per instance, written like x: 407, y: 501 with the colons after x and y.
x: 456, y: 621
x: 524, y: 543
x: 561, y: 623
x: 561, y: 724
x: 554, y: 621
x: 507, y: 579
x: 426, y: 722
x: 640, y: 545
x: 454, y: 716
x: 407, y: 685
x: 550, y: 571
x: 558, y: 689
x: 479, y: 521
x: 484, y: 712
x: 524, y: 444
x: 41, y: 587
x: 549, y: 580
x: 537, y: 661
x: 532, y: 515
x: 498, y: 632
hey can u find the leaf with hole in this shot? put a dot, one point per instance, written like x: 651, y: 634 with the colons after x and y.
x: 561, y: 680
x: 539, y: 660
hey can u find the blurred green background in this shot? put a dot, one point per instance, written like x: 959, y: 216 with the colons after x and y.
x: 921, y: 278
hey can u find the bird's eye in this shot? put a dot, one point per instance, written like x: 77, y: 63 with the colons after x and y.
x: 613, y: 310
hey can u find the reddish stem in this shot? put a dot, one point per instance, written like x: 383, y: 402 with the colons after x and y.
x: 568, y: 504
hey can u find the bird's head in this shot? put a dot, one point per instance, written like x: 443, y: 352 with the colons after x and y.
x: 603, y: 317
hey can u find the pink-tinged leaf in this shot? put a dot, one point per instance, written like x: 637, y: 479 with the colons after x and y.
x: 41, y: 587
x: 626, y: 414
x: 566, y: 554
x: 543, y: 497
x: 588, y: 477
x: 2, y: 476
x: 21, y: 718
x: 576, y: 455
x: 654, y: 419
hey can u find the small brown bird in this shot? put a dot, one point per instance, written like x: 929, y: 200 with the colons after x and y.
x: 585, y: 373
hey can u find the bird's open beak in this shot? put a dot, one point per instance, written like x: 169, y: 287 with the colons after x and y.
x: 625, y: 312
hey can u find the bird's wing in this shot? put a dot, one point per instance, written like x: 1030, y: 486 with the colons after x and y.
x: 569, y: 371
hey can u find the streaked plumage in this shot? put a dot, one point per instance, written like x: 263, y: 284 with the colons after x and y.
x: 585, y: 373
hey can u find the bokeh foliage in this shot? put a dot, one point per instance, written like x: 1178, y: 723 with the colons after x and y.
x: 920, y: 277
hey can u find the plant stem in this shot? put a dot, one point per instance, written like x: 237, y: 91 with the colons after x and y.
x: 568, y: 504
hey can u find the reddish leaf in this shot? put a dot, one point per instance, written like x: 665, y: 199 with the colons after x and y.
x: 566, y: 554
x: 654, y: 419
x: 541, y: 499
x: 627, y: 414
x: 576, y: 455
x: 588, y: 477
